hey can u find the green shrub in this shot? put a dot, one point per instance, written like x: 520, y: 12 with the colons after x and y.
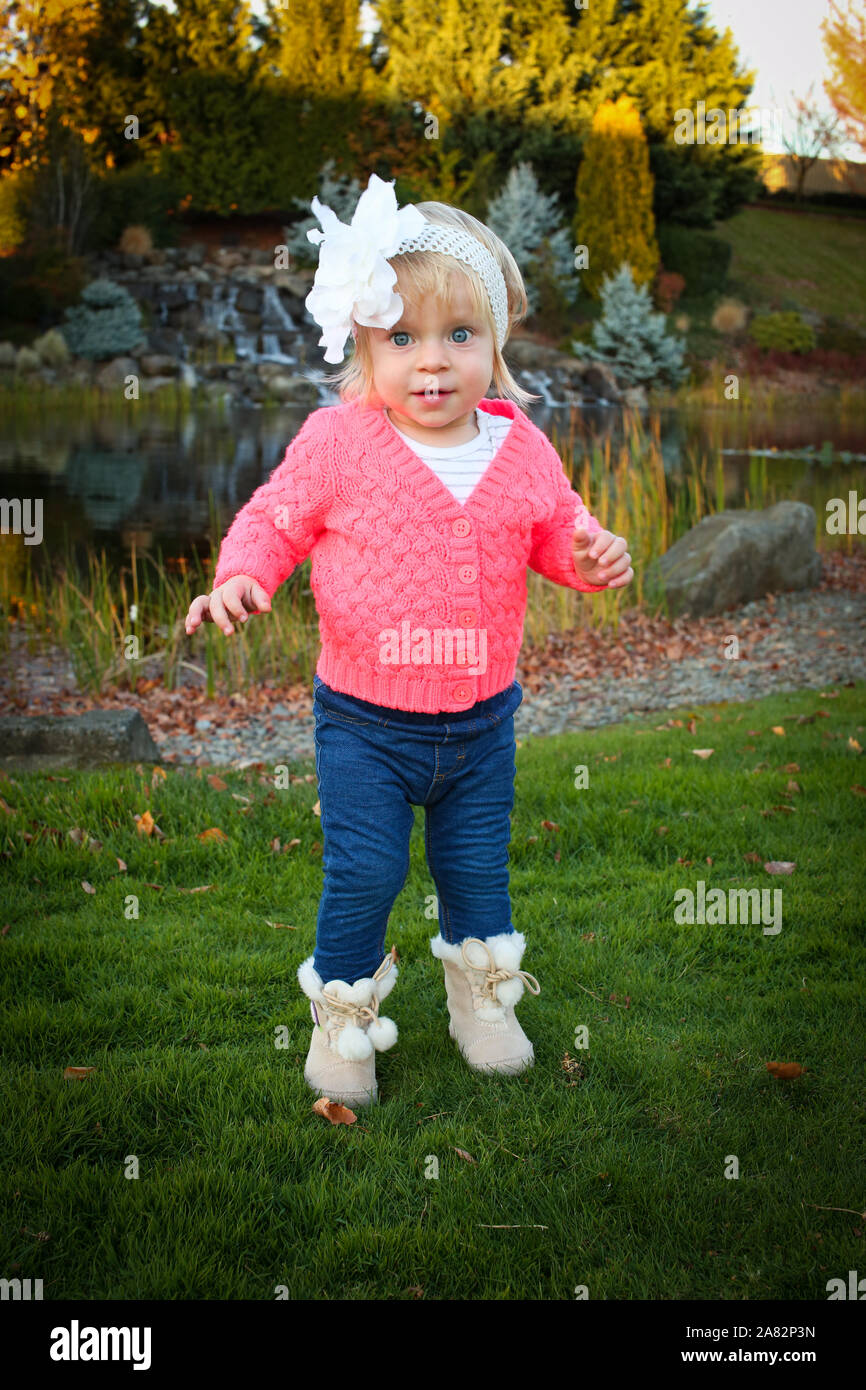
x: 785, y: 332
x: 701, y: 258
x: 39, y: 280
x: 137, y: 196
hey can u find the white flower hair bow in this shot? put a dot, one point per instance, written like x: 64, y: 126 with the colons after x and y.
x: 354, y: 279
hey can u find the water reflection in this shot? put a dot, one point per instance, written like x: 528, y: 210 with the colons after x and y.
x: 150, y: 480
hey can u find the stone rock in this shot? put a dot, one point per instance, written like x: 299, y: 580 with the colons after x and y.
x: 158, y: 364
x: 113, y: 375
x: 739, y: 555
x: 30, y: 743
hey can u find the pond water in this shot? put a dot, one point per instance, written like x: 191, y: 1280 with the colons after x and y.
x: 150, y: 480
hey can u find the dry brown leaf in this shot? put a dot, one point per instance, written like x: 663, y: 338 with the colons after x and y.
x: 752, y: 858
x: 778, y: 729
x: 333, y: 1111
x: 703, y: 752
x: 858, y: 790
x: 205, y: 888
x: 317, y: 810
x: 281, y: 924
x: 217, y: 782
x: 121, y: 865
x: 214, y: 833
x: 549, y: 825
x: 786, y: 1071
x: 661, y: 830
x: 77, y: 1073
x: 464, y: 1154
x: 665, y: 763
x: 790, y: 767
x: 88, y: 887
x: 792, y: 786
x: 852, y: 743
x: 780, y: 866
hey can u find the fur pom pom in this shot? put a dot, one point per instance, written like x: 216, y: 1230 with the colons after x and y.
x: 353, y: 1043
x: 382, y: 1033
x: 509, y: 991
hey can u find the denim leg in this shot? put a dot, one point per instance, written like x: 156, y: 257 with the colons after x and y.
x: 366, y: 823
x: 468, y: 830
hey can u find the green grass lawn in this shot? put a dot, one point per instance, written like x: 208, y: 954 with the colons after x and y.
x: 817, y: 260
x: 608, y: 1171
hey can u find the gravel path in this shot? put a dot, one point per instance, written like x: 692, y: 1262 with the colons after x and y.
x: 817, y: 640
x: 807, y: 640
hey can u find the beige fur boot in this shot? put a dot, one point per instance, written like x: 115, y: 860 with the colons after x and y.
x: 341, y: 1062
x: 483, y: 982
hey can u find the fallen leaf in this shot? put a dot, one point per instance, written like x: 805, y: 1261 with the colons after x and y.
x: 549, y: 825
x: 852, y: 743
x: 778, y: 729
x: 464, y: 1154
x: 786, y: 1071
x: 77, y: 1073
x: 661, y: 830
x: 692, y: 726
x: 790, y: 767
x: 88, y: 887
x: 703, y: 752
x: 217, y: 782
x: 686, y: 862
x: 753, y: 858
x: 780, y: 866
x: 665, y: 763
x: 336, y: 1113
x: 858, y: 790
x: 793, y: 786
x: 317, y: 810
x: 214, y: 833
x: 828, y: 694
x: 281, y: 924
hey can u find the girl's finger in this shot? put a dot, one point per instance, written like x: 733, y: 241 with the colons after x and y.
x: 623, y: 579
x: 613, y: 551
x: 618, y: 566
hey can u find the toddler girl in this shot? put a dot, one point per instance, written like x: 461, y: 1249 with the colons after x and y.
x: 422, y: 503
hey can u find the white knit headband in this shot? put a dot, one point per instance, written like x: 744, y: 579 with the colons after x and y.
x: 354, y: 280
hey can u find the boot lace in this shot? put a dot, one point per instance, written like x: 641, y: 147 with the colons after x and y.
x: 343, y: 1011
x: 484, y: 990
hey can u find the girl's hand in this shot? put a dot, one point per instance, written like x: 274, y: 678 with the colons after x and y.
x: 236, y: 598
x: 601, y: 558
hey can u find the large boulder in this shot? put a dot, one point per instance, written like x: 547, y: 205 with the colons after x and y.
x: 31, y: 743
x: 740, y: 555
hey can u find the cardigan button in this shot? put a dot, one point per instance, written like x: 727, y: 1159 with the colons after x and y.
x: 467, y: 574
x: 462, y: 693
x: 466, y: 618
x: 461, y: 526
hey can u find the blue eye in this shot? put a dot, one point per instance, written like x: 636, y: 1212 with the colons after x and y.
x: 463, y: 330
x: 400, y: 333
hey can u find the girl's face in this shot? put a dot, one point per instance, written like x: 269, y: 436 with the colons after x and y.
x: 433, y: 367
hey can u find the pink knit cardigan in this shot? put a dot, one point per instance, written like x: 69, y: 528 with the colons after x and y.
x: 420, y: 599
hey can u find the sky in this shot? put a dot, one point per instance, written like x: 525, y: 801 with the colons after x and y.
x: 782, y: 40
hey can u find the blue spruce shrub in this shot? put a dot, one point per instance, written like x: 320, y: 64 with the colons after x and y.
x: 107, y: 324
x: 630, y: 337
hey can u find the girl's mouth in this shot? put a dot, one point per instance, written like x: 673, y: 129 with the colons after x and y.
x: 432, y: 395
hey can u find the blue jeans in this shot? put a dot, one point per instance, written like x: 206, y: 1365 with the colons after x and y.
x: 372, y: 765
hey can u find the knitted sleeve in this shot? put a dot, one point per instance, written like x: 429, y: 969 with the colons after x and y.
x: 551, y: 553
x: 278, y: 527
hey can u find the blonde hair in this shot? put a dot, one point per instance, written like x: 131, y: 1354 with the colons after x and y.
x: 430, y: 273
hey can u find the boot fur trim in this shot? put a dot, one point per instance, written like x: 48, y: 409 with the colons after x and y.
x: 507, y: 950
x: 353, y: 1042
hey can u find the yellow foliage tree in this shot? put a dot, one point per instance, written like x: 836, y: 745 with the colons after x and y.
x: 43, y: 68
x: 614, y: 218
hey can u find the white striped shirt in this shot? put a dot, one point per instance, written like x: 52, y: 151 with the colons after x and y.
x: 460, y: 467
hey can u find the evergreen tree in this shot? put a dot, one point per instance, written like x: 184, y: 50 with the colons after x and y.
x: 614, y: 197
x: 106, y: 324
x: 630, y: 336
x: 340, y: 193
x: 526, y: 219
